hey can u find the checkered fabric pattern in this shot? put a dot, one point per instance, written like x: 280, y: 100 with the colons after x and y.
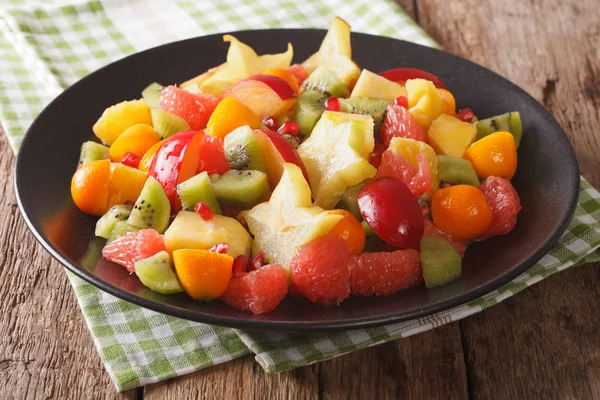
x: 45, y: 46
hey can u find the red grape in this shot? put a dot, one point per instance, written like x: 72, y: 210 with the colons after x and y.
x: 392, y: 211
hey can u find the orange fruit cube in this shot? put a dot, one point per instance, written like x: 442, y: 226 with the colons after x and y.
x: 136, y: 139
x: 204, y: 275
x: 349, y: 229
x: 116, y: 119
x: 125, y: 184
x: 229, y: 115
x: 494, y: 155
x: 461, y: 211
x: 448, y: 102
x: 146, y: 160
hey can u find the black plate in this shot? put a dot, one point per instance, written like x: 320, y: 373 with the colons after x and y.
x: 547, y: 179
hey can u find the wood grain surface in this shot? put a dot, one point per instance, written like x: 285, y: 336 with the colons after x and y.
x: 542, y: 343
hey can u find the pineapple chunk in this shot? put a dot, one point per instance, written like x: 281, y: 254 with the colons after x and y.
x: 288, y: 219
x: 189, y: 231
x: 410, y: 149
x: 335, y: 155
x: 335, y: 53
x: 450, y: 136
x: 116, y: 119
x: 376, y: 87
x: 424, y: 101
x: 243, y: 62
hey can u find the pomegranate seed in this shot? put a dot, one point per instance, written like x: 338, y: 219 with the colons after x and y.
x: 240, y: 265
x: 256, y: 262
x: 204, y: 211
x: 466, y: 115
x: 220, y: 248
x: 401, y: 101
x: 131, y: 160
x: 333, y: 104
x: 289, y: 128
x: 270, y: 123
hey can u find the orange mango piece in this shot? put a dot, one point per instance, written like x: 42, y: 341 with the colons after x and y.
x: 204, y: 275
x: 146, y: 160
x: 136, y: 139
x: 125, y: 184
x: 229, y: 115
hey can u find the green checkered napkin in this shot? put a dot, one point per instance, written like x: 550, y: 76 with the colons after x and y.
x: 45, y: 48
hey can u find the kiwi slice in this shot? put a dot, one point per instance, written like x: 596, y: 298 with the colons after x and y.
x: 441, y: 262
x: 509, y: 122
x: 243, y: 150
x: 349, y: 200
x: 121, y: 228
x: 308, y: 109
x: 198, y: 189
x: 157, y: 273
x: 456, y: 171
x: 324, y: 81
x: 92, y: 151
x: 107, y: 222
x: 167, y: 124
x: 362, y: 105
x: 293, y: 140
x: 152, y: 209
x: 242, y: 188
x: 151, y: 94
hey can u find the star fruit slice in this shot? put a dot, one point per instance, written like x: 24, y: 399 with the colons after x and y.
x: 335, y: 155
x: 242, y: 63
x: 288, y: 219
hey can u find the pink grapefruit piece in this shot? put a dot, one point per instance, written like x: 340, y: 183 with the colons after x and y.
x: 320, y: 271
x: 385, y: 273
x: 259, y: 291
x: 398, y: 122
x: 395, y: 165
x: 195, y: 108
x: 505, y: 204
x: 134, y: 246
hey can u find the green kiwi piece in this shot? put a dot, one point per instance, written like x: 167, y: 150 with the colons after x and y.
x: 167, y: 124
x: 152, y: 209
x: 92, y: 151
x: 308, y: 109
x: 361, y: 105
x: 368, y: 230
x: 349, y: 200
x: 441, y: 262
x: 243, y: 150
x: 198, y: 189
x: 242, y: 188
x: 509, y: 122
x: 121, y: 228
x: 325, y: 82
x: 151, y: 94
x: 456, y: 171
x: 107, y: 222
x: 293, y: 140
x: 157, y: 273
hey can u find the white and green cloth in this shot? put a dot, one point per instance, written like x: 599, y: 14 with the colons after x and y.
x: 45, y: 46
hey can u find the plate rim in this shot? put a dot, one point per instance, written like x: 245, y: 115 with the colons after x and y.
x: 297, y: 326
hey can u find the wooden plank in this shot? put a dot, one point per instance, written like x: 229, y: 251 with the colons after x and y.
x: 542, y: 343
x: 45, y: 347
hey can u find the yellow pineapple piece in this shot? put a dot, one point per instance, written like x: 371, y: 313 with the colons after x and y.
x: 451, y: 136
x: 116, y: 119
x: 410, y: 149
x: 376, y: 87
x: 424, y: 101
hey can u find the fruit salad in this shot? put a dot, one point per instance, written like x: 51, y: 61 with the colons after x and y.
x: 261, y: 179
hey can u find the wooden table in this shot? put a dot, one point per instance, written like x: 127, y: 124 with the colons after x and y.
x: 542, y: 343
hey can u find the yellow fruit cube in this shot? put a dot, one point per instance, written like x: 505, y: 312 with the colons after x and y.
x: 451, y: 136
x: 424, y: 101
x: 410, y: 149
x: 116, y: 119
x: 377, y: 87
